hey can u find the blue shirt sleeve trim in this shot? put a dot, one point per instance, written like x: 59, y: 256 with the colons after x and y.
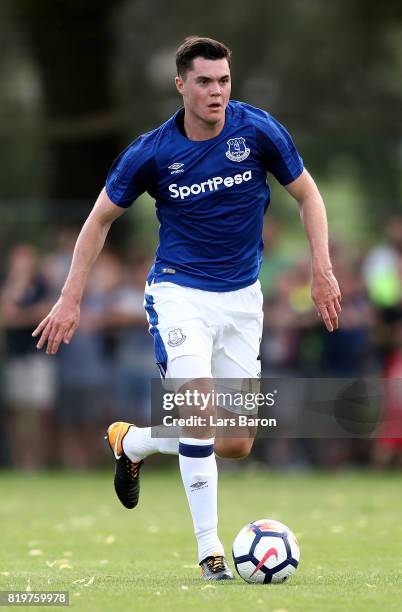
x: 280, y: 155
x: 132, y: 173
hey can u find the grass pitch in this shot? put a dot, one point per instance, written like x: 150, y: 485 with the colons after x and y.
x: 69, y: 532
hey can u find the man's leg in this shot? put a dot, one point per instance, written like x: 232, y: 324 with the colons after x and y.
x: 198, y: 469
x: 198, y: 463
x: 184, y: 340
x: 141, y: 442
x: 233, y: 440
x: 236, y: 445
x: 236, y: 367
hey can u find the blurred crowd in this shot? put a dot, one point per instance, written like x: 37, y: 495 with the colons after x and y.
x: 54, y: 410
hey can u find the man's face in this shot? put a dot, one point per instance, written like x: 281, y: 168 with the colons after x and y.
x: 206, y: 89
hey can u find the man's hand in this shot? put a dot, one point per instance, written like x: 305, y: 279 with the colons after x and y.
x: 326, y: 297
x: 62, y: 321
x: 325, y: 289
x: 59, y: 325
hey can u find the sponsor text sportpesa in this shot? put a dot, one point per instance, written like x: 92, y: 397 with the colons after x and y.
x: 212, y: 184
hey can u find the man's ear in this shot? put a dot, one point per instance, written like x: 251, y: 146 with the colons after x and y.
x: 179, y: 84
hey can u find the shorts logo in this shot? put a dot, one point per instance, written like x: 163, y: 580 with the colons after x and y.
x: 176, y: 337
x: 237, y: 150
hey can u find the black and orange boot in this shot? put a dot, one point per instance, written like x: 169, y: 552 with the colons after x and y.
x: 215, y: 567
x: 127, y: 472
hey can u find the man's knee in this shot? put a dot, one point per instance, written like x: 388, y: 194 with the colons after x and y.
x: 232, y: 448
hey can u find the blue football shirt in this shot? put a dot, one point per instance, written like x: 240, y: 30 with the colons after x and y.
x: 210, y: 195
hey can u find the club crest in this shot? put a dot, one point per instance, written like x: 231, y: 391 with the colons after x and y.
x: 176, y: 337
x: 237, y: 150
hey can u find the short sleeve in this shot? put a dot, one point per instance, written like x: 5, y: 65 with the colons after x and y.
x: 280, y: 156
x: 132, y: 173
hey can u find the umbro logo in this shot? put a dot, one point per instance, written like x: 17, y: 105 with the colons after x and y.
x: 198, y: 485
x: 176, y: 168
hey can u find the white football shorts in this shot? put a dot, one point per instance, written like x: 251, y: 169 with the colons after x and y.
x: 218, y: 332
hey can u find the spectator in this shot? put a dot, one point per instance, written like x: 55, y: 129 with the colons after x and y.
x: 381, y: 267
x: 347, y: 353
x: 29, y: 377
x: 134, y: 362
x: 387, y: 450
x: 85, y: 399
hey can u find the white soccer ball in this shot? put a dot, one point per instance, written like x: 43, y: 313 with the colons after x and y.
x: 265, y: 551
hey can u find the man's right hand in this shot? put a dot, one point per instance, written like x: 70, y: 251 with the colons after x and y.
x: 59, y: 325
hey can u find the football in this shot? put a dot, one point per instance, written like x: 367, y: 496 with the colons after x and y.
x: 265, y: 551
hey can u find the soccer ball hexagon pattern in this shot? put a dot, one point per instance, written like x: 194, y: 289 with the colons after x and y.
x: 265, y: 551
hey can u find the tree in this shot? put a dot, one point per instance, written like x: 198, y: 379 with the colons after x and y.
x: 72, y: 45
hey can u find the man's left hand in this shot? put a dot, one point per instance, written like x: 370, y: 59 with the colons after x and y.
x: 326, y: 297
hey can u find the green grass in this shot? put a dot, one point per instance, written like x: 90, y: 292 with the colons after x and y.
x: 67, y: 531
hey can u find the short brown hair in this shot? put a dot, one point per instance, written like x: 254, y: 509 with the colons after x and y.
x: 197, y: 46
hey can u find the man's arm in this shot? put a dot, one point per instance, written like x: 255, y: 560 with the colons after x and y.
x: 325, y: 290
x: 62, y: 321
